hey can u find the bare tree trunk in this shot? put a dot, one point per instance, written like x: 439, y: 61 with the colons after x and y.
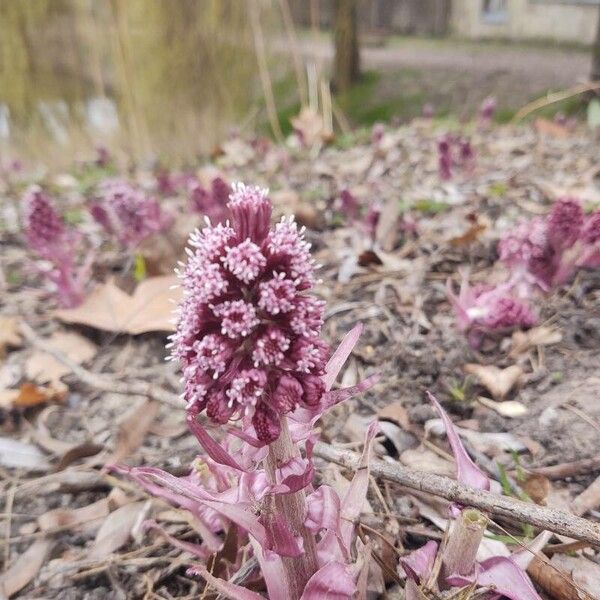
x: 596, y: 53
x: 347, y: 59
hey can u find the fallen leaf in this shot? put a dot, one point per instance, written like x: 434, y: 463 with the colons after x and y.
x: 29, y: 395
x: 566, y: 577
x: 25, y: 568
x: 387, y: 231
x: 309, y: 126
x: 42, y: 367
x: 87, y: 517
x: 543, y: 335
x: 537, y: 487
x: 490, y: 443
x: 20, y: 455
x: 551, y: 128
x: 133, y: 430
x: 589, y: 499
x: 423, y: 459
x: 395, y: 435
x: 497, y: 381
x: 10, y: 334
x: 75, y: 453
x: 368, y: 258
x: 397, y: 413
x: 109, y: 308
x: 508, y: 408
x: 117, y: 529
x: 471, y: 235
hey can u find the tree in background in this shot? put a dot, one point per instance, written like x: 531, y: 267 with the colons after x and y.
x: 347, y: 56
x: 596, y: 53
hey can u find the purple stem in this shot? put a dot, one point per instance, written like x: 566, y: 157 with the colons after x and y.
x: 292, y: 507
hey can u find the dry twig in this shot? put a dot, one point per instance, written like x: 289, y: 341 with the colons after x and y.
x: 558, y: 521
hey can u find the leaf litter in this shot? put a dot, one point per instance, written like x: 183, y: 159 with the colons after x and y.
x: 392, y: 280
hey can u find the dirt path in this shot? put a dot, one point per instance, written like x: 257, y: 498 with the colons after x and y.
x: 515, y: 73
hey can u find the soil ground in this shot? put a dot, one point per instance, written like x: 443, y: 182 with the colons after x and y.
x: 394, y: 285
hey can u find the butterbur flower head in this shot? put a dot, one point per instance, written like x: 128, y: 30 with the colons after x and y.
x: 527, y: 249
x: 210, y: 202
x: 127, y: 212
x: 248, y: 328
x: 377, y: 133
x: 44, y: 230
x: 349, y: 205
x: 489, y: 308
x: 47, y: 235
x: 564, y: 223
x: 487, y: 109
x: 445, y: 161
x: 590, y: 233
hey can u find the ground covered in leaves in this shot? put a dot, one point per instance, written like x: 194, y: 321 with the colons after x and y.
x: 87, y: 387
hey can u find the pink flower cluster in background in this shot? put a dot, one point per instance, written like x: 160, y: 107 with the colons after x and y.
x: 454, y: 152
x: 48, y: 236
x: 548, y: 251
x: 128, y: 212
x: 210, y: 202
x: 540, y: 254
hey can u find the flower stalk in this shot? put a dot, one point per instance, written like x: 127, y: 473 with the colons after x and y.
x: 298, y: 570
x: 466, y: 533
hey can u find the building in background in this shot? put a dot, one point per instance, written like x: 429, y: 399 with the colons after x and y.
x: 551, y: 20
x: 548, y: 20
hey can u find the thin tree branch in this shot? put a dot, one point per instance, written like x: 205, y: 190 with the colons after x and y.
x: 558, y: 521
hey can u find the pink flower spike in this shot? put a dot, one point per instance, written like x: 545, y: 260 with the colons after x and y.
x: 418, y: 564
x: 47, y: 236
x: 564, y: 223
x: 468, y: 472
x: 127, y: 212
x: 251, y: 212
x: 503, y: 576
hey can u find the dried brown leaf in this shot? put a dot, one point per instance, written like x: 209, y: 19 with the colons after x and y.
x: 117, y: 529
x: 309, y: 125
x: 551, y: 128
x: 566, y: 577
x: 387, y: 231
x: 472, y: 234
x: 497, y: 381
x: 20, y: 455
x: 87, y: 517
x: 10, y: 334
x: 537, y: 487
x: 133, y: 430
x: 109, y: 308
x: 508, y: 408
x: 75, y: 453
x: 42, y: 367
x: 397, y: 413
x: 543, y: 335
x: 589, y: 499
x: 25, y: 568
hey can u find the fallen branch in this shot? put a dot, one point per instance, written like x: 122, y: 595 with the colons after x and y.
x: 553, y: 98
x: 558, y: 521
x: 103, y: 383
